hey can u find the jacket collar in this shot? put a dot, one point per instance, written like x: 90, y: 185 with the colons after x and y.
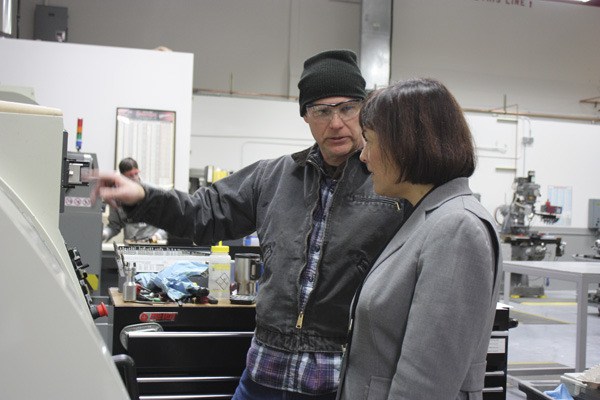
x: 313, y: 154
x: 437, y: 197
x: 301, y: 157
x: 445, y: 192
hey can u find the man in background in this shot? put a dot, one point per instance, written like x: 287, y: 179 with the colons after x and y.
x: 117, y: 219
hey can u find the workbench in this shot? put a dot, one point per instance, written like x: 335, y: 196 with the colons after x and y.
x: 582, y: 273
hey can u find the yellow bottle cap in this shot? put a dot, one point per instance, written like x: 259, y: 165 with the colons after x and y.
x: 219, y: 248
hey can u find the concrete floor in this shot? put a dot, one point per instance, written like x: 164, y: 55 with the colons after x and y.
x: 550, y: 344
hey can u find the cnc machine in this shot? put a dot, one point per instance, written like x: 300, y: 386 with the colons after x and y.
x: 49, y: 344
x: 525, y: 243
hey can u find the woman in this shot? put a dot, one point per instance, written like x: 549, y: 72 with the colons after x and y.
x: 423, y: 317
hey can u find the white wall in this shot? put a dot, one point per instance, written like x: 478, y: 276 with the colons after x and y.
x: 250, y: 46
x: 544, y: 56
x: 231, y: 133
x: 90, y: 82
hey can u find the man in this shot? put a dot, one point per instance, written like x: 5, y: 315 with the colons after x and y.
x: 319, y: 224
x: 117, y: 219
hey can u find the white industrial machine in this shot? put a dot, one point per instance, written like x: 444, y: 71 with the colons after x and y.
x: 526, y: 244
x: 593, y: 225
x: 49, y: 345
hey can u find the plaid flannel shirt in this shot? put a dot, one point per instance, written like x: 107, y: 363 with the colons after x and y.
x: 304, y: 372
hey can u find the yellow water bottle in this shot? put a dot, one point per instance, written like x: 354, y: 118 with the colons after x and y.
x: 219, y: 272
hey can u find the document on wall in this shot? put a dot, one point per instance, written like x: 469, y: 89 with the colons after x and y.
x: 562, y: 196
x: 148, y: 136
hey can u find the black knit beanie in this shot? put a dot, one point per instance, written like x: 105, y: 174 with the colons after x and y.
x: 329, y: 74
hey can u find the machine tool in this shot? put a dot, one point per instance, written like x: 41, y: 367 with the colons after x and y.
x: 594, y: 225
x: 80, y: 222
x: 595, y: 256
x: 48, y: 341
x: 526, y: 244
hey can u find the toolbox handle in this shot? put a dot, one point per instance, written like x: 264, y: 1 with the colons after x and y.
x: 186, y: 379
x: 170, y: 335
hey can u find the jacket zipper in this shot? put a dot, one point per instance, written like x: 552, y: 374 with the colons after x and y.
x: 300, y: 319
x: 384, y: 200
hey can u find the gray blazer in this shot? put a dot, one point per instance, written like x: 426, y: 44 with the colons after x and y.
x: 425, y: 312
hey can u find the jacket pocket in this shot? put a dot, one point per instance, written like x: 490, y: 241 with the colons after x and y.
x: 378, y: 388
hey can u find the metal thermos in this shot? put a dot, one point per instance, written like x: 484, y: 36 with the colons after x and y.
x: 129, y: 288
x: 247, y: 271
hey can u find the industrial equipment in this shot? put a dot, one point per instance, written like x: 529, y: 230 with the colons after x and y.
x: 80, y: 223
x: 594, y: 256
x: 48, y: 340
x: 526, y: 244
x: 199, y: 177
x: 594, y: 225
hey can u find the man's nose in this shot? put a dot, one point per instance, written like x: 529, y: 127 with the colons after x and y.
x: 336, y: 121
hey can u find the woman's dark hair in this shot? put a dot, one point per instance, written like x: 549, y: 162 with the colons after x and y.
x: 127, y: 164
x: 422, y: 130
